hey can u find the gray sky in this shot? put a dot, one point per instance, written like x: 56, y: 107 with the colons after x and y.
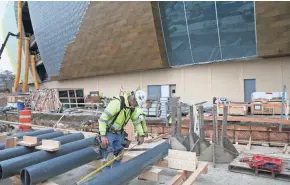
x: 4, y: 62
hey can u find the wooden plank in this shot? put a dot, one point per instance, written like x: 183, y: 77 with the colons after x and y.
x: 11, y: 142
x: 29, y: 141
x: 163, y: 163
x: 184, y: 155
x: 2, y: 137
x: 152, y: 174
x: 182, y: 164
x: 156, y: 138
x: 202, y: 167
x: 49, y: 145
x: 248, y: 119
x: 178, y: 178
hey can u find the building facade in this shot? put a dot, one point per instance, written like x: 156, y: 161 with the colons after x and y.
x: 195, y: 50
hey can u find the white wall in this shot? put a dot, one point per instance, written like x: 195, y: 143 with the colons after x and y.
x: 195, y: 83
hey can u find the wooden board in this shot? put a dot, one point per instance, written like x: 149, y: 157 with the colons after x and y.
x: 184, y: 155
x: 11, y: 142
x: 202, y: 168
x: 2, y: 137
x: 248, y: 119
x: 178, y: 178
x: 29, y: 141
x: 182, y: 160
x: 151, y: 174
x: 181, y: 164
x: 49, y: 145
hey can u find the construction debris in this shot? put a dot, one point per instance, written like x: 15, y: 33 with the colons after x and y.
x: 46, y: 100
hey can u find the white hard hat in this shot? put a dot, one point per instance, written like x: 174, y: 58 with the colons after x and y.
x: 141, y: 97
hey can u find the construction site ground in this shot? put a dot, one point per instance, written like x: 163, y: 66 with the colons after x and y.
x: 220, y: 175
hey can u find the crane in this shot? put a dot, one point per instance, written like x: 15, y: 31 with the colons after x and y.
x: 5, y: 41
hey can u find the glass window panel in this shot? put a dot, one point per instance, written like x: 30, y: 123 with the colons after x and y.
x: 80, y: 93
x: 73, y: 101
x: 72, y: 93
x: 175, y: 32
x: 171, y: 8
x: 180, y: 57
x: 154, y: 92
x: 203, y: 32
x: 65, y: 101
x: 206, y: 54
x: 237, y: 28
x: 63, y: 94
x: 81, y: 101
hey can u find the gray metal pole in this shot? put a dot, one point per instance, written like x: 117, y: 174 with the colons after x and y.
x: 20, y: 136
x: 11, y: 167
x: 22, y: 150
x: 201, y: 123
x: 282, y: 106
x: 48, y: 169
x: 224, y: 125
x: 132, y: 168
x: 178, y: 127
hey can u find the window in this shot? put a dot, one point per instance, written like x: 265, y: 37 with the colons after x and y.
x: 203, y: 31
x: 154, y: 92
x: 71, y: 97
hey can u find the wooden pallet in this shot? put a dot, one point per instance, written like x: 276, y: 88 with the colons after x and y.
x: 181, y: 177
x: 240, y: 167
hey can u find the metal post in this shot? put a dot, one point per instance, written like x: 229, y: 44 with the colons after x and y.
x: 214, y: 122
x: 201, y: 123
x: 224, y: 125
x: 282, y: 106
x: 191, y: 127
x: 178, y: 129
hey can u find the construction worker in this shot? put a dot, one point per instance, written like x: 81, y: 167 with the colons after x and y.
x: 114, y: 118
x: 140, y: 117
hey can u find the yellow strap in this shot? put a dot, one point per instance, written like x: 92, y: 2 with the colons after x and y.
x: 104, y: 165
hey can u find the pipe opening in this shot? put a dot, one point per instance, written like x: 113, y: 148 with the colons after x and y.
x: 1, y: 172
x: 25, y: 177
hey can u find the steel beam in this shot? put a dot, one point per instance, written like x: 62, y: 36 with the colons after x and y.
x: 48, y: 169
x: 132, y: 168
x: 22, y: 150
x: 20, y: 136
x: 11, y: 167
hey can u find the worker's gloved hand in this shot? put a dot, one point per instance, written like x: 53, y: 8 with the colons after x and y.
x: 105, y: 141
x: 140, y: 140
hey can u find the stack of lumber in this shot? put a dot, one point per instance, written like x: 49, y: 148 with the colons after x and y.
x: 46, y: 99
x: 234, y: 109
x: 15, y: 99
x: 184, y: 165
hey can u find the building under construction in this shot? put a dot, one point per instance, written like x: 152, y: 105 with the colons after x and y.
x: 188, y: 51
x: 195, y: 50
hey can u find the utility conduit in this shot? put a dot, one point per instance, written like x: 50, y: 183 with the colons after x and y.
x: 27, y: 59
x: 19, y: 47
x: 33, y: 69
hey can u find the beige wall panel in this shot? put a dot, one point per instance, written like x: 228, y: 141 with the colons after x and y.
x: 286, y: 75
x: 197, y: 84
x: 194, y: 83
x: 268, y: 74
x: 226, y: 79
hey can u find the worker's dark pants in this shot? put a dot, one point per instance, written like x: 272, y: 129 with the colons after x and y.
x: 115, y: 146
